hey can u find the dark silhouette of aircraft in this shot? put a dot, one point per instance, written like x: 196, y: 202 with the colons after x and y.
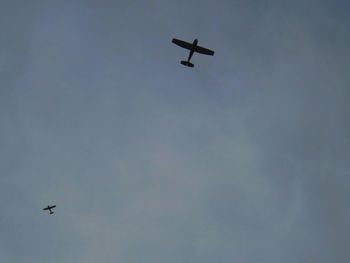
x: 192, y: 47
x: 49, y: 208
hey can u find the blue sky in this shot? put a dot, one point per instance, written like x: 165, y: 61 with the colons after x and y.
x: 243, y: 158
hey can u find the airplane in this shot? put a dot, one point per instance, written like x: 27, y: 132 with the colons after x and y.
x: 192, y: 47
x: 49, y: 208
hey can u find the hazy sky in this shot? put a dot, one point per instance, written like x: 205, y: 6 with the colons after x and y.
x: 244, y: 158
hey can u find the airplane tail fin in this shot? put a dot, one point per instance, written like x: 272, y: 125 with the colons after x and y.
x: 186, y: 63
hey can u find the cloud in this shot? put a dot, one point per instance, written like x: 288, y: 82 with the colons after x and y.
x: 243, y: 158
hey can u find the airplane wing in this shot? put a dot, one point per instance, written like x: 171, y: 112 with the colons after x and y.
x: 204, y: 51
x: 46, y: 208
x: 53, y: 206
x: 182, y: 43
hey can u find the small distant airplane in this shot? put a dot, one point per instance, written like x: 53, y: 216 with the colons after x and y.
x: 192, y: 47
x: 49, y: 208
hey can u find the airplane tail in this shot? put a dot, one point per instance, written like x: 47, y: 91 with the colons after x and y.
x: 187, y: 63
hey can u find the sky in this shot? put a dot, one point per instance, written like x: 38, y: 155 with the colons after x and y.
x: 243, y: 158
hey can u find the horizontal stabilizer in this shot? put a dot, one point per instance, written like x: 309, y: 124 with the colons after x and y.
x: 186, y: 63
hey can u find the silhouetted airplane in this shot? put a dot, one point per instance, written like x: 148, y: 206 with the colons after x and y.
x: 49, y: 208
x: 192, y: 47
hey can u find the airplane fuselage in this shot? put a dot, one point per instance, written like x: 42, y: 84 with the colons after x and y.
x: 193, y: 48
x: 50, y: 207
